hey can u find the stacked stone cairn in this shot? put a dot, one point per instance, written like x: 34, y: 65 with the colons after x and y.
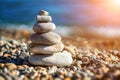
x: 47, y: 48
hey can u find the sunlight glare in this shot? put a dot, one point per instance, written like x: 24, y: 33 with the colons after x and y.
x: 116, y: 3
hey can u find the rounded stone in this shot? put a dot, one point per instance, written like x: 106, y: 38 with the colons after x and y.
x: 43, y: 27
x: 49, y: 38
x: 45, y: 49
x: 57, y: 59
x: 43, y: 12
x: 5, y: 77
x: 11, y: 66
x: 42, y: 19
x: 2, y: 78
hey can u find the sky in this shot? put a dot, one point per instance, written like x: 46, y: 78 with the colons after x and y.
x: 69, y: 12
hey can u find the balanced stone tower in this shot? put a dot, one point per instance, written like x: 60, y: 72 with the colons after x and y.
x: 47, y: 48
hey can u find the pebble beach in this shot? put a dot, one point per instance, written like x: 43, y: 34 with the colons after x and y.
x: 93, y: 59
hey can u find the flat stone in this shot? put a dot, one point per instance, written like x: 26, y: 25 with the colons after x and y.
x: 57, y: 59
x: 41, y: 19
x: 49, y: 38
x: 45, y: 49
x: 44, y: 27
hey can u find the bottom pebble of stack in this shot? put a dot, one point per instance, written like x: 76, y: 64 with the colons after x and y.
x: 60, y: 59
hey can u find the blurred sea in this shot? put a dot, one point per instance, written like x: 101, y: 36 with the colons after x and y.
x: 21, y: 14
x: 24, y: 11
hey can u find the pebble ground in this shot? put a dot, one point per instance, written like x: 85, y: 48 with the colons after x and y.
x: 92, y: 60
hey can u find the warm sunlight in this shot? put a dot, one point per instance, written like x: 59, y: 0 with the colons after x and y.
x: 113, y: 5
x: 116, y: 3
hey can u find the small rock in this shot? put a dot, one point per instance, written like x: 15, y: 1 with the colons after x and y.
x: 85, y: 60
x: 43, y: 27
x: 66, y: 78
x: 5, y: 70
x: 15, y: 78
x: 2, y: 42
x: 45, y: 38
x: 44, y: 13
x: 57, y: 78
x: 41, y: 19
x: 5, y: 76
x: 44, y: 49
x: 14, y: 72
x: 6, y: 55
x: 11, y: 66
x: 57, y: 59
x: 2, y: 78
x: 2, y: 65
x: 13, y: 42
x: 20, y: 67
x: 23, y: 55
x: 52, y: 70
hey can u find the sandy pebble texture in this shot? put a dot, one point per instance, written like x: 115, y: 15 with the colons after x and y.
x: 90, y: 63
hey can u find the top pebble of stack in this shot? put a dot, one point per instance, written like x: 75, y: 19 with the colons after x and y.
x: 44, y: 13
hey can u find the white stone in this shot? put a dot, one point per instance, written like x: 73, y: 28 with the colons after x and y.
x: 45, y: 49
x: 40, y: 18
x: 57, y: 59
x: 44, y: 27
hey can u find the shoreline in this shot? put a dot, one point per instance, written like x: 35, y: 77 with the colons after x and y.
x: 92, y: 31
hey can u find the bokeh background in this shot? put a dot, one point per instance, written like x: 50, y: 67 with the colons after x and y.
x: 96, y: 16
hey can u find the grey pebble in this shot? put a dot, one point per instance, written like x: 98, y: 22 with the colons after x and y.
x: 45, y: 38
x: 23, y: 54
x: 44, y: 49
x: 44, y: 27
